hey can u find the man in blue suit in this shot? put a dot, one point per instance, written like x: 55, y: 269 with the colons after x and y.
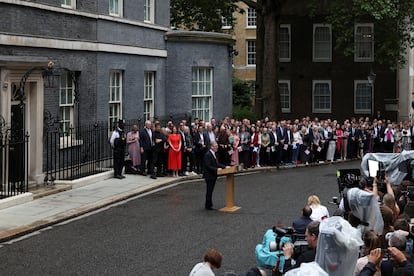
x: 211, y: 165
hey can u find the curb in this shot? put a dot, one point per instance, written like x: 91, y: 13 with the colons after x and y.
x: 26, y: 229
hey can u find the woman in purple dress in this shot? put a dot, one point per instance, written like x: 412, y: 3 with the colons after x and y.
x: 134, y: 149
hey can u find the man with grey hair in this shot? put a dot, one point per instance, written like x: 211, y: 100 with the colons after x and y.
x: 146, y: 140
x: 211, y: 165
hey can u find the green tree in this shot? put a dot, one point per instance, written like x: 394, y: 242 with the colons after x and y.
x: 393, y: 19
x: 241, y: 93
x: 202, y: 15
x: 242, y: 100
x: 393, y: 25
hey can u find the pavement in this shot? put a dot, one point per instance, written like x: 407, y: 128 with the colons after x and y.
x: 48, y: 205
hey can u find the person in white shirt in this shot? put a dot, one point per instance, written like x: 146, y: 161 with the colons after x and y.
x: 319, y: 212
x: 212, y: 259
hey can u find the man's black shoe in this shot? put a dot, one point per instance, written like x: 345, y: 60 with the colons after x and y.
x: 122, y: 176
x: 153, y: 177
x: 143, y: 173
x: 211, y: 209
x: 118, y: 176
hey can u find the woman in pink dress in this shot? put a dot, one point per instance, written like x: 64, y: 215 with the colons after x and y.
x: 234, y: 141
x: 339, y: 133
x: 174, y: 154
x: 134, y: 149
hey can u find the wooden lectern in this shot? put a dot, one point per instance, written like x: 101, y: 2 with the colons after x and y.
x: 229, y: 173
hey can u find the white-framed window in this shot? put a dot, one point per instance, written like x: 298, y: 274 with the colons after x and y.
x: 116, y: 7
x: 149, y: 11
x: 364, y: 42
x: 363, y: 97
x: 149, y: 90
x: 284, y: 91
x: 226, y: 23
x: 251, y: 52
x: 202, y: 93
x: 251, y: 18
x: 321, y: 96
x: 322, y: 42
x: 66, y: 103
x: 284, y: 42
x: 115, y: 98
x: 70, y: 4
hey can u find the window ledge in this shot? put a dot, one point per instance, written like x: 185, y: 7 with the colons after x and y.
x: 68, y: 142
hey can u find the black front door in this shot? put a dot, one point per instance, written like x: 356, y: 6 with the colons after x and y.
x: 17, y: 146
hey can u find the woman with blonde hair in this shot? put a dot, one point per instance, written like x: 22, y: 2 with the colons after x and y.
x: 319, y: 212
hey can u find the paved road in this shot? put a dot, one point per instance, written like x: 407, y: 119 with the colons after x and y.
x: 167, y: 232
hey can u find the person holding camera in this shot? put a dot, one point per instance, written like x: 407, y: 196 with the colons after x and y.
x: 397, y: 256
x: 307, y: 256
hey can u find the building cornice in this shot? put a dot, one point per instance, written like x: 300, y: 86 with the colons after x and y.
x: 76, y: 45
x: 197, y: 36
x: 85, y: 14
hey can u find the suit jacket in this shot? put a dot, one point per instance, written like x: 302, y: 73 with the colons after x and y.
x: 356, y: 135
x: 211, y: 165
x: 281, y: 135
x: 207, y: 138
x: 288, y: 136
x: 273, y: 139
x: 144, y: 139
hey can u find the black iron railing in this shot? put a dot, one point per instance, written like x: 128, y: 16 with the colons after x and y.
x: 14, y: 162
x: 79, y: 152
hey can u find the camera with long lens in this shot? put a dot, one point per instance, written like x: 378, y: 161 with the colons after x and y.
x: 288, y: 235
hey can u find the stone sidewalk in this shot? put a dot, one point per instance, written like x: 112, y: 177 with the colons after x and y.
x: 61, y: 202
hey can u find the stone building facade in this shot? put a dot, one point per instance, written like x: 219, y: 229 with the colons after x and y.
x: 118, y: 59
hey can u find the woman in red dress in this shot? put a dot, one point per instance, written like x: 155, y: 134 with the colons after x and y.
x: 174, y: 155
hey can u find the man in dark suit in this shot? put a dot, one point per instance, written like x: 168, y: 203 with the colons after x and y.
x: 211, y: 165
x: 353, y: 140
x: 274, y: 143
x: 200, y: 143
x: 146, y: 141
x: 281, y: 137
x: 300, y: 223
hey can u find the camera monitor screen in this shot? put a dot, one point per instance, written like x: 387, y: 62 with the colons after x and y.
x: 373, y: 167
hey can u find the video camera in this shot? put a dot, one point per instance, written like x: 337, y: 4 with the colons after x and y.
x: 347, y: 179
x: 288, y: 235
x: 409, y: 193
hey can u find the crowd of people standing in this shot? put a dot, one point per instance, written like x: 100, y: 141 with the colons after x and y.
x: 178, y: 149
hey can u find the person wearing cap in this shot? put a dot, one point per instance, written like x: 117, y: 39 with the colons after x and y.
x: 118, y: 143
x: 211, y: 165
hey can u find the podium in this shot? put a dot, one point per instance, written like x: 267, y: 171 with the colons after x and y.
x: 229, y: 173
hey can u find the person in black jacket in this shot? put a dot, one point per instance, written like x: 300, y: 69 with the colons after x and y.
x: 157, y: 151
x: 311, y: 236
x: 146, y: 140
x: 211, y: 165
x: 118, y: 143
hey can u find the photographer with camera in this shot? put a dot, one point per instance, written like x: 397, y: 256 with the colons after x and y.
x: 307, y: 256
x: 398, y: 258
